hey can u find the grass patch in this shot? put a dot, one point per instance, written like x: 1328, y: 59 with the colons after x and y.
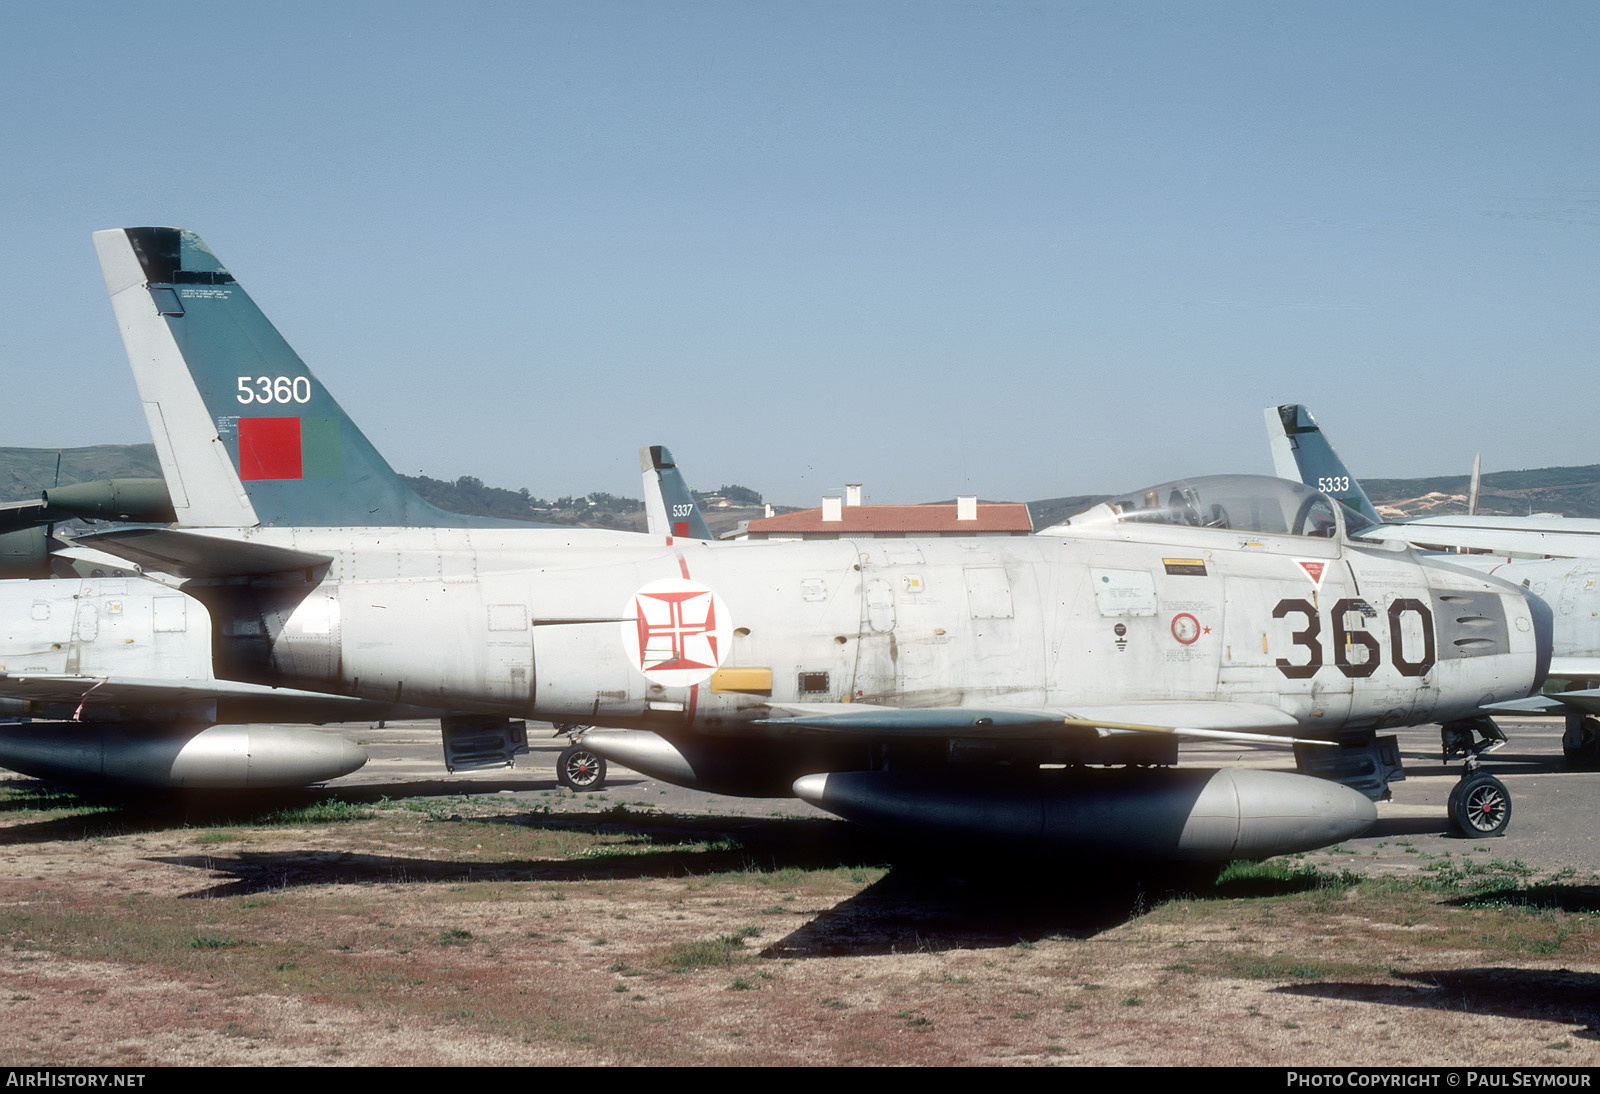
x: 1343, y: 925
x: 728, y: 949
x: 1275, y: 877
x: 327, y: 811
x: 211, y: 942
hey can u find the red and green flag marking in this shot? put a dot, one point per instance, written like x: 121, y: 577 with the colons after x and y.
x: 289, y: 448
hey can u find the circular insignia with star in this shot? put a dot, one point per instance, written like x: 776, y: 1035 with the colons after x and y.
x: 1185, y: 628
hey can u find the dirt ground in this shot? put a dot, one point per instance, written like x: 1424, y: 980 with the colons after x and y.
x: 473, y: 931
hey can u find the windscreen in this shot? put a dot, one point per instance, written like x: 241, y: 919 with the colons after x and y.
x: 1240, y: 503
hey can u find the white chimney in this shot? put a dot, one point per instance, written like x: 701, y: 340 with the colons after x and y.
x: 852, y: 493
x: 767, y: 509
x: 966, y: 507
x: 832, y: 509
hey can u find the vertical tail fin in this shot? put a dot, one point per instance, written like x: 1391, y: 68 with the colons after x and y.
x: 1300, y: 451
x: 669, y: 505
x: 245, y: 433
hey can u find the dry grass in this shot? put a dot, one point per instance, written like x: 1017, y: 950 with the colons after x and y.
x: 465, y: 932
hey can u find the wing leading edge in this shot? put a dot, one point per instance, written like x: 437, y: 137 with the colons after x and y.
x: 1253, y: 722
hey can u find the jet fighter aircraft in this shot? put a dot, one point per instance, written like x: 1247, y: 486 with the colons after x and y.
x: 917, y: 685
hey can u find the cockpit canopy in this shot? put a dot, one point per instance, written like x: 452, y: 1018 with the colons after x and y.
x: 1240, y: 503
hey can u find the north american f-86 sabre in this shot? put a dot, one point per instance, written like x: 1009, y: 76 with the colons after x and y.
x: 1024, y: 693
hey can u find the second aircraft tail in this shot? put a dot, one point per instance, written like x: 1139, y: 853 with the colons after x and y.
x: 669, y: 505
x: 1302, y: 453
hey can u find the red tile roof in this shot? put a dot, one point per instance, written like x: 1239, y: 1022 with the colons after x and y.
x: 910, y: 519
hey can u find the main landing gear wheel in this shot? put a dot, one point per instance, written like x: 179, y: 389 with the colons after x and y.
x: 1480, y: 806
x: 579, y: 769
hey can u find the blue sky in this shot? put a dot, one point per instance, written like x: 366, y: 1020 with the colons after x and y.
x: 1017, y: 249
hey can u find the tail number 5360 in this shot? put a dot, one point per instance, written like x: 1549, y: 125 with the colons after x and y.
x: 274, y: 389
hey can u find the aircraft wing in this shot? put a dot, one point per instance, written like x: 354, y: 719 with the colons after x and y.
x: 1217, y: 720
x: 19, y: 516
x: 1587, y: 701
x: 1574, y: 668
x: 22, y: 510
x: 1543, y: 537
x: 135, y: 691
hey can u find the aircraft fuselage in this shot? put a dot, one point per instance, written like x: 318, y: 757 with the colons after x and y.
x: 704, y: 638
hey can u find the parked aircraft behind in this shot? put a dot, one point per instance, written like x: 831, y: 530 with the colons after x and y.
x: 115, y: 674
x: 916, y: 685
x: 27, y: 542
x: 669, y: 505
x: 1301, y: 451
x: 1569, y: 584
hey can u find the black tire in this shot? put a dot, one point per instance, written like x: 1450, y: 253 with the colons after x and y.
x: 1587, y: 752
x: 1480, y: 806
x: 579, y: 769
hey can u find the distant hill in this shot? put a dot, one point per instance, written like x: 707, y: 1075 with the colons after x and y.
x: 1570, y: 491
x: 26, y: 471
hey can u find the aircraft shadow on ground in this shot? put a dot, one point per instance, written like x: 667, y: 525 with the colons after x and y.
x: 1553, y: 995
x: 1500, y: 763
x: 469, y: 786
x: 672, y: 847
x: 911, y: 910
x: 981, y: 900
x: 916, y: 907
x: 126, y: 812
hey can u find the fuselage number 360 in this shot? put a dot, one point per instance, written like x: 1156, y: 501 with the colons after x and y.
x: 1347, y: 640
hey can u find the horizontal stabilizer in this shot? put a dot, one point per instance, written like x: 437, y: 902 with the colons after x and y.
x: 190, y: 555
